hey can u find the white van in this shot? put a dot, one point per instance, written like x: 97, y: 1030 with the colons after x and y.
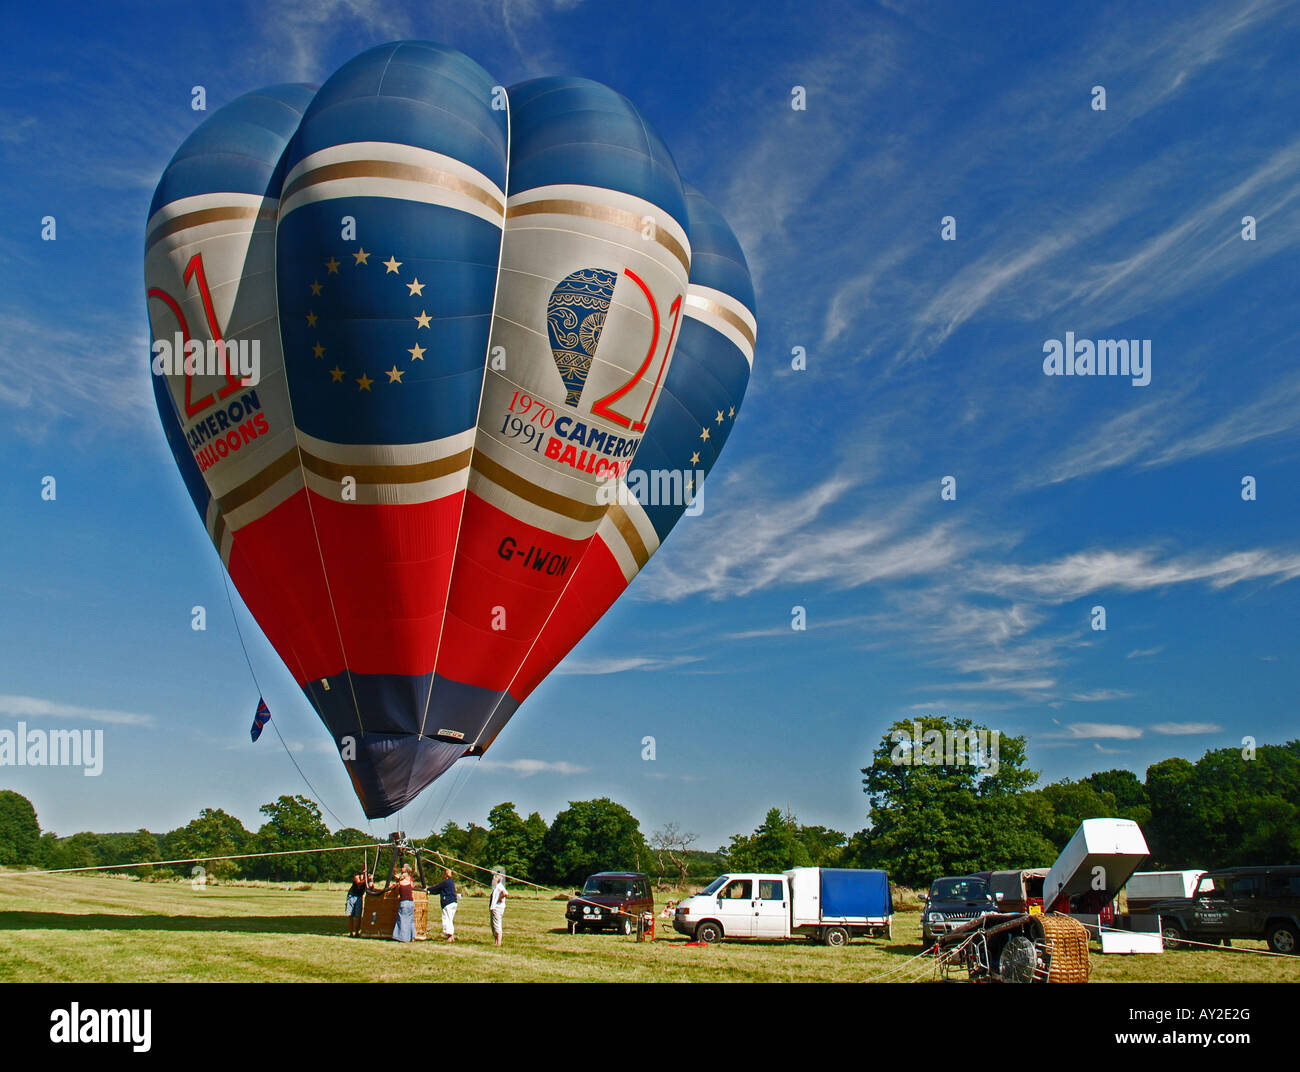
x: 830, y: 905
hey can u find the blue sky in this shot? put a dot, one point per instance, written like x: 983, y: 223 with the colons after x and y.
x: 924, y: 360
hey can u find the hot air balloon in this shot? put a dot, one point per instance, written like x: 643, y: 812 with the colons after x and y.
x: 475, y: 319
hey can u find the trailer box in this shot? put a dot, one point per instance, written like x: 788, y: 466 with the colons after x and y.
x: 839, y: 895
x: 1094, y: 865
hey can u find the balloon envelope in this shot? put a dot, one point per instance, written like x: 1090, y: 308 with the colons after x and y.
x: 470, y: 317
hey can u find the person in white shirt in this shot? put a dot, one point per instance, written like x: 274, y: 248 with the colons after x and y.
x: 497, y: 904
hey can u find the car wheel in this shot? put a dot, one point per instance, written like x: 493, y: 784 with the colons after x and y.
x: 1283, y: 939
x: 625, y: 926
x: 709, y: 933
x: 1173, y: 935
x: 835, y: 936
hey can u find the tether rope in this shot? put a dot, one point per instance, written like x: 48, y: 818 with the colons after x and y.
x: 1174, y: 943
x: 239, y: 632
x: 186, y: 860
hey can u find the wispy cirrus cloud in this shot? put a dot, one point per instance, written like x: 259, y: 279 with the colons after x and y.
x: 92, y: 372
x: 764, y: 541
x: 527, y: 768
x: 598, y: 665
x: 298, y: 38
x: 1086, y: 731
x: 1099, y: 696
x: 1082, y: 573
x: 37, y: 707
x: 1186, y: 729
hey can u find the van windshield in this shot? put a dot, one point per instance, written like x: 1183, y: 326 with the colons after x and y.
x: 715, y: 885
x: 609, y: 887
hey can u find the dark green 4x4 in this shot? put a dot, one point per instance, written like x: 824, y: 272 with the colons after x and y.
x: 1237, y: 902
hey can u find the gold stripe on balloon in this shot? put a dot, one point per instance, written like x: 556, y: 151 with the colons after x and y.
x: 251, y: 488
x: 528, y: 491
x: 604, y: 214
x: 388, y: 169
x: 627, y: 529
x: 722, y: 313
x: 415, y: 473
x: 207, y: 215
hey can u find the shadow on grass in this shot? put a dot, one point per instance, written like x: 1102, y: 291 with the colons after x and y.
x: 882, y: 945
x: 69, y: 921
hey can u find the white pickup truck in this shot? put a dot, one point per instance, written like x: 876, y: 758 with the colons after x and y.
x: 830, y: 905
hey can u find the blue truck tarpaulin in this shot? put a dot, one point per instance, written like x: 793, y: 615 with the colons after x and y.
x: 847, y: 894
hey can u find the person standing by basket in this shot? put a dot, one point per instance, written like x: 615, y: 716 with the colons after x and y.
x: 446, y: 891
x: 497, y: 904
x: 404, y: 931
x: 356, y: 898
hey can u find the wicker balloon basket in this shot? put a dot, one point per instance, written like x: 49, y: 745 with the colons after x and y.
x: 379, y: 914
x: 1065, y: 940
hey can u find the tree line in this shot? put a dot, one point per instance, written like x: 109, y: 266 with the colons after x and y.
x: 925, y: 819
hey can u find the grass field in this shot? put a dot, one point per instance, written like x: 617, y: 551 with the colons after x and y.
x: 100, y: 929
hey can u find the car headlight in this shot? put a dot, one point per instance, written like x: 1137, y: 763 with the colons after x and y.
x: 937, y: 917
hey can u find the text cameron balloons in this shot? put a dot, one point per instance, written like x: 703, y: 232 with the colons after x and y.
x: 441, y: 366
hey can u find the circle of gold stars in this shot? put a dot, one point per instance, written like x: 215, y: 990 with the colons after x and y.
x: 423, y: 319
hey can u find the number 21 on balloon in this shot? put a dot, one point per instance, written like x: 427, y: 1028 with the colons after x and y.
x: 603, y: 407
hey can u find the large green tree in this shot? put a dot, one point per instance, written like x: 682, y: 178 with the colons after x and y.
x: 341, y: 866
x: 213, y: 833
x: 466, y: 849
x: 938, y: 809
x: 510, y: 845
x: 774, y: 846
x: 590, y: 836
x: 1070, y: 803
x: 294, y: 825
x: 133, y: 848
x: 1175, y: 831
x: 1232, y: 807
x: 79, y: 850
x: 780, y: 843
x: 20, y: 833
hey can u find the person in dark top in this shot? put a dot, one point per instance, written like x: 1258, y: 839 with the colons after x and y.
x: 446, y: 891
x: 356, y: 898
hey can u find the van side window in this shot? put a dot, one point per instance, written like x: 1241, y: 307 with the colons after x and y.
x: 738, y: 890
x: 771, y: 889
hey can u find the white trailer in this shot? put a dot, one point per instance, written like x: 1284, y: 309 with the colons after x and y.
x: 1147, y: 887
x: 1094, y: 865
